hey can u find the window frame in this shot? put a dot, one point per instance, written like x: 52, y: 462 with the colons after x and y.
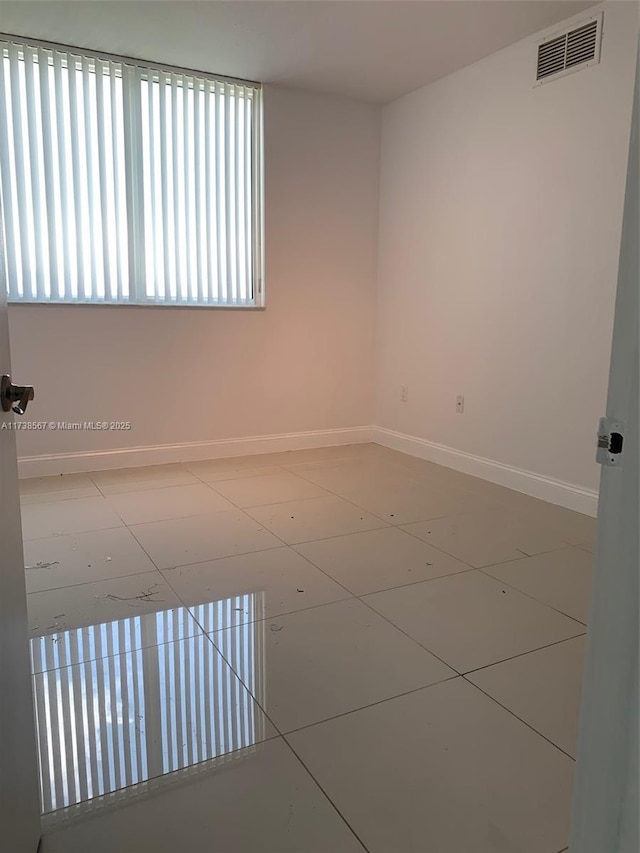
x: 137, y: 287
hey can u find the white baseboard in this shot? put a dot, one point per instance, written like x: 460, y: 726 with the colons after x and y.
x: 536, y: 485
x: 131, y: 457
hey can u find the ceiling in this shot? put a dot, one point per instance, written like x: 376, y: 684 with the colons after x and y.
x: 372, y: 51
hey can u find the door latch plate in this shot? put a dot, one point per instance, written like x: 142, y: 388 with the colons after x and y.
x: 610, y: 442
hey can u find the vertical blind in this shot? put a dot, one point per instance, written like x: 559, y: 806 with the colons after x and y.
x: 126, y: 183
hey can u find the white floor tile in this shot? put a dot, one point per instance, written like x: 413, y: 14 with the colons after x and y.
x: 542, y: 688
x: 57, y: 488
x: 83, y: 557
x: 138, y: 507
x: 211, y: 470
x: 378, y: 559
x: 574, y: 527
x: 330, y: 660
x: 57, y: 518
x: 103, y: 601
x: 180, y: 541
x: 406, y: 502
x: 268, y: 489
x: 561, y: 579
x: 214, y: 470
x: 485, y: 538
x: 314, y: 518
x: 278, y: 581
x: 470, y: 620
x: 146, y: 477
x: 259, y: 799
x: 444, y: 769
x: 345, y: 475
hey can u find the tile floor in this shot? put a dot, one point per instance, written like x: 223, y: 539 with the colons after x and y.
x: 323, y: 651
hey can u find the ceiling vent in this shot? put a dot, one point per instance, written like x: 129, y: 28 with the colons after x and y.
x: 571, y: 51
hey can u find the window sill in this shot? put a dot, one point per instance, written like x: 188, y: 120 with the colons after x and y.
x: 155, y: 305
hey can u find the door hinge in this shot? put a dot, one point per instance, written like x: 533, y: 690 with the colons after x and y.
x: 610, y: 441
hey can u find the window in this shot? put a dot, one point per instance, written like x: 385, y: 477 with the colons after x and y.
x: 128, y: 183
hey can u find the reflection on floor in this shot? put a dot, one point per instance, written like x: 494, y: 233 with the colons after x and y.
x: 340, y: 649
x: 120, y: 703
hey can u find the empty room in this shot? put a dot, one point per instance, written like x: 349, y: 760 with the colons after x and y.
x: 319, y: 428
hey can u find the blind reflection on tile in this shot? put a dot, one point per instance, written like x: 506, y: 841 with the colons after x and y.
x: 122, y: 702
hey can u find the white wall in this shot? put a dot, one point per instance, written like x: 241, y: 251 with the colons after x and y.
x: 500, y: 219
x: 187, y: 375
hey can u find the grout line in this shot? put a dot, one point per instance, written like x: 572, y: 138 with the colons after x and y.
x: 479, y: 568
x: 523, y: 654
x: 282, y: 470
x: 501, y: 505
x: 346, y: 500
x: 253, y: 471
x: 375, y: 591
x: 148, y: 488
x: 209, y: 636
x: 211, y: 483
x: 333, y: 495
x: 532, y: 597
x: 209, y: 559
x: 277, y: 503
x: 413, y: 639
x: 153, y: 568
x: 123, y: 652
x: 398, y: 586
x: 151, y: 487
x: 403, y: 527
x: 220, y: 557
x: 213, y: 488
x: 71, y: 533
x: 513, y: 714
x: 325, y: 719
x: 447, y: 663
x: 43, y: 497
x: 354, y: 833
x: 212, y: 559
x: 282, y: 615
x: 370, y: 705
x: 272, y: 618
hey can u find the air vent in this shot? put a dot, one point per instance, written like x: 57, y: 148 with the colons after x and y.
x: 571, y: 50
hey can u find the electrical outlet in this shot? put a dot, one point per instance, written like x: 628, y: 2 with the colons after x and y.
x: 460, y: 404
x: 404, y: 393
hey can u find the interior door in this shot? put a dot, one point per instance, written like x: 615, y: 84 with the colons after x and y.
x: 605, y: 809
x: 19, y: 795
